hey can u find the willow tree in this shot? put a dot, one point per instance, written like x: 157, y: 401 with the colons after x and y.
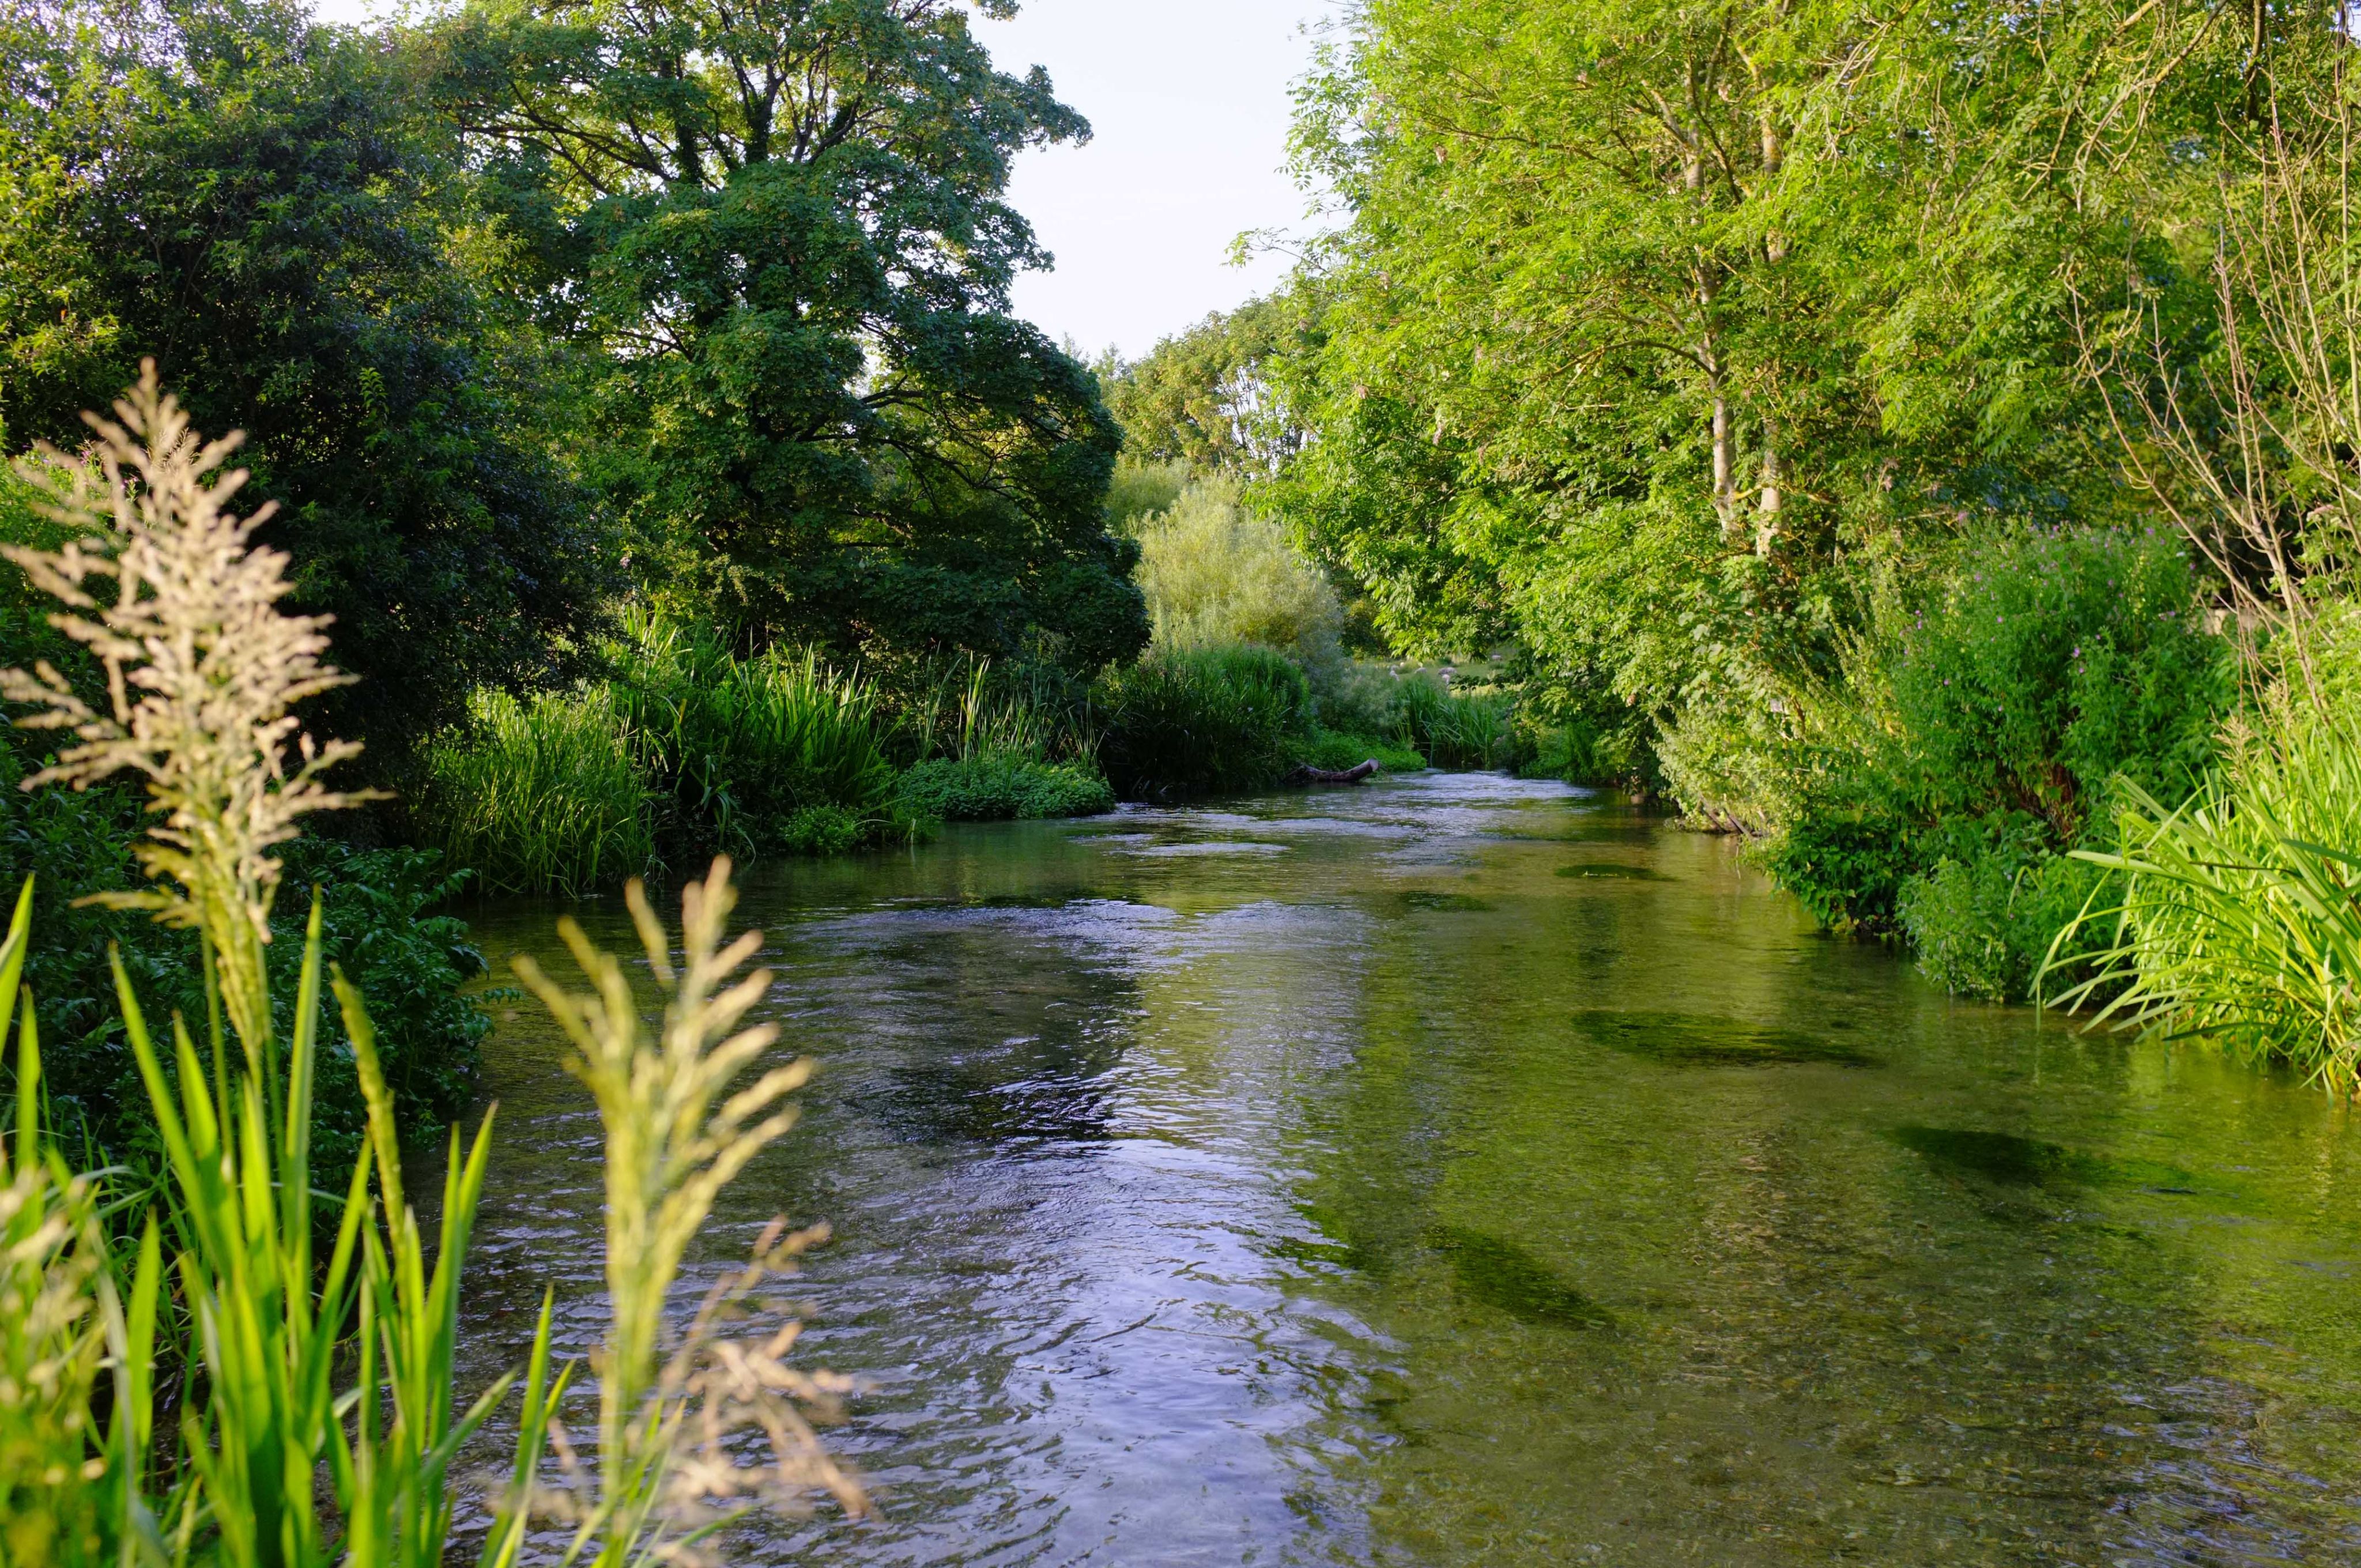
x: 1659, y: 332
x: 776, y: 233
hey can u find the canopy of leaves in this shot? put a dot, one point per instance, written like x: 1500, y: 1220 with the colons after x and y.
x: 253, y: 200
x: 777, y: 234
x: 1660, y: 335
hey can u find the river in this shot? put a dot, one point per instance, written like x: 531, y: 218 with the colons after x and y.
x: 1458, y: 1170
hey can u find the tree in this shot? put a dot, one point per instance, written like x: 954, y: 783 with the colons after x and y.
x: 1206, y: 396
x: 776, y: 233
x: 1667, y: 336
x: 251, y: 200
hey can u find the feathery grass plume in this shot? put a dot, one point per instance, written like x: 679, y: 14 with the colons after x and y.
x: 202, y: 670
x: 674, y: 1140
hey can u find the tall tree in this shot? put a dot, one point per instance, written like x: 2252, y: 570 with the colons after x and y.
x: 253, y: 200
x: 1658, y: 331
x: 778, y: 231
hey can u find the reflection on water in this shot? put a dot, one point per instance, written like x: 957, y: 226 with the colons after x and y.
x: 1457, y: 1170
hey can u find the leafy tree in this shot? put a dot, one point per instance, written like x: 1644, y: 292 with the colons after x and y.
x: 252, y: 199
x: 1664, y: 336
x: 1206, y: 396
x: 777, y: 233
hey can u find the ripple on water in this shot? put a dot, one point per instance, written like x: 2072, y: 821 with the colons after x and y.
x: 1466, y: 1170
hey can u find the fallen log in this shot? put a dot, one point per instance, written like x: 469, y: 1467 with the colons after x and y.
x: 1305, y: 774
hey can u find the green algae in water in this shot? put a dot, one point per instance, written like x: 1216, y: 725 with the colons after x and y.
x: 1705, y: 1039
x: 2005, y: 1160
x: 1612, y: 870
x: 1501, y: 1274
x: 1443, y: 900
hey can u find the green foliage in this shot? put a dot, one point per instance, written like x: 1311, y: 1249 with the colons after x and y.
x: 1627, y: 355
x: 252, y: 199
x: 2241, y: 916
x: 778, y: 239
x: 740, y: 747
x: 1204, y: 399
x: 994, y: 786
x: 1984, y: 920
x: 1140, y: 489
x: 1453, y: 729
x: 377, y: 921
x: 1216, y: 572
x: 1935, y: 793
x: 2051, y: 663
x: 542, y: 795
x: 1187, y: 721
x: 1846, y: 868
x: 1336, y: 750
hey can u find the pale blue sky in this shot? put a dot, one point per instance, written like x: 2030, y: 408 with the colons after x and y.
x: 1188, y: 100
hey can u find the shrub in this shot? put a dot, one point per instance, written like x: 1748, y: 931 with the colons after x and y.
x: 539, y: 796
x: 997, y: 787
x: 1190, y: 721
x: 2051, y: 663
x: 1983, y: 920
x: 1215, y: 573
x: 1846, y: 868
x: 1336, y: 750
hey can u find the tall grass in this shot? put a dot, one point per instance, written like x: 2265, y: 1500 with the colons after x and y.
x: 2241, y: 917
x: 317, y: 1420
x: 539, y: 796
x: 1203, y: 721
x: 1453, y: 729
x: 741, y: 745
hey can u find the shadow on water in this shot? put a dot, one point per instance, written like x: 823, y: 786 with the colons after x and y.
x: 2005, y: 1160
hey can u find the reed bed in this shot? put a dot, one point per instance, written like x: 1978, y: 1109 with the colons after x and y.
x: 541, y: 796
x: 2240, y: 920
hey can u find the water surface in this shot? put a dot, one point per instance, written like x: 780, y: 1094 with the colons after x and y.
x: 1463, y: 1171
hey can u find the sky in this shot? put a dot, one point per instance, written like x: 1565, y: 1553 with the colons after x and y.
x: 1189, y: 106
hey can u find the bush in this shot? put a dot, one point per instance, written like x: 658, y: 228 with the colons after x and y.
x: 1846, y: 870
x: 1216, y: 573
x: 1974, y: 748
x: 539, y: 796
x: 995, y: 788
x: 1983, y: 920
x: 1336, y: 750
x: 2049, y: 664
x: 1186, y: 721
x: 409, y: 964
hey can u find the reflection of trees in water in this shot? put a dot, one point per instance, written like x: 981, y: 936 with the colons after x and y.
x: 1661, y: 1231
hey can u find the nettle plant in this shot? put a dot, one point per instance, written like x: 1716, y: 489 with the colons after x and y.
x: 215, y: 1389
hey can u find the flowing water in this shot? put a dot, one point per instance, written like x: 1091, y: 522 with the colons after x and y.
x: 1458, y: 1170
